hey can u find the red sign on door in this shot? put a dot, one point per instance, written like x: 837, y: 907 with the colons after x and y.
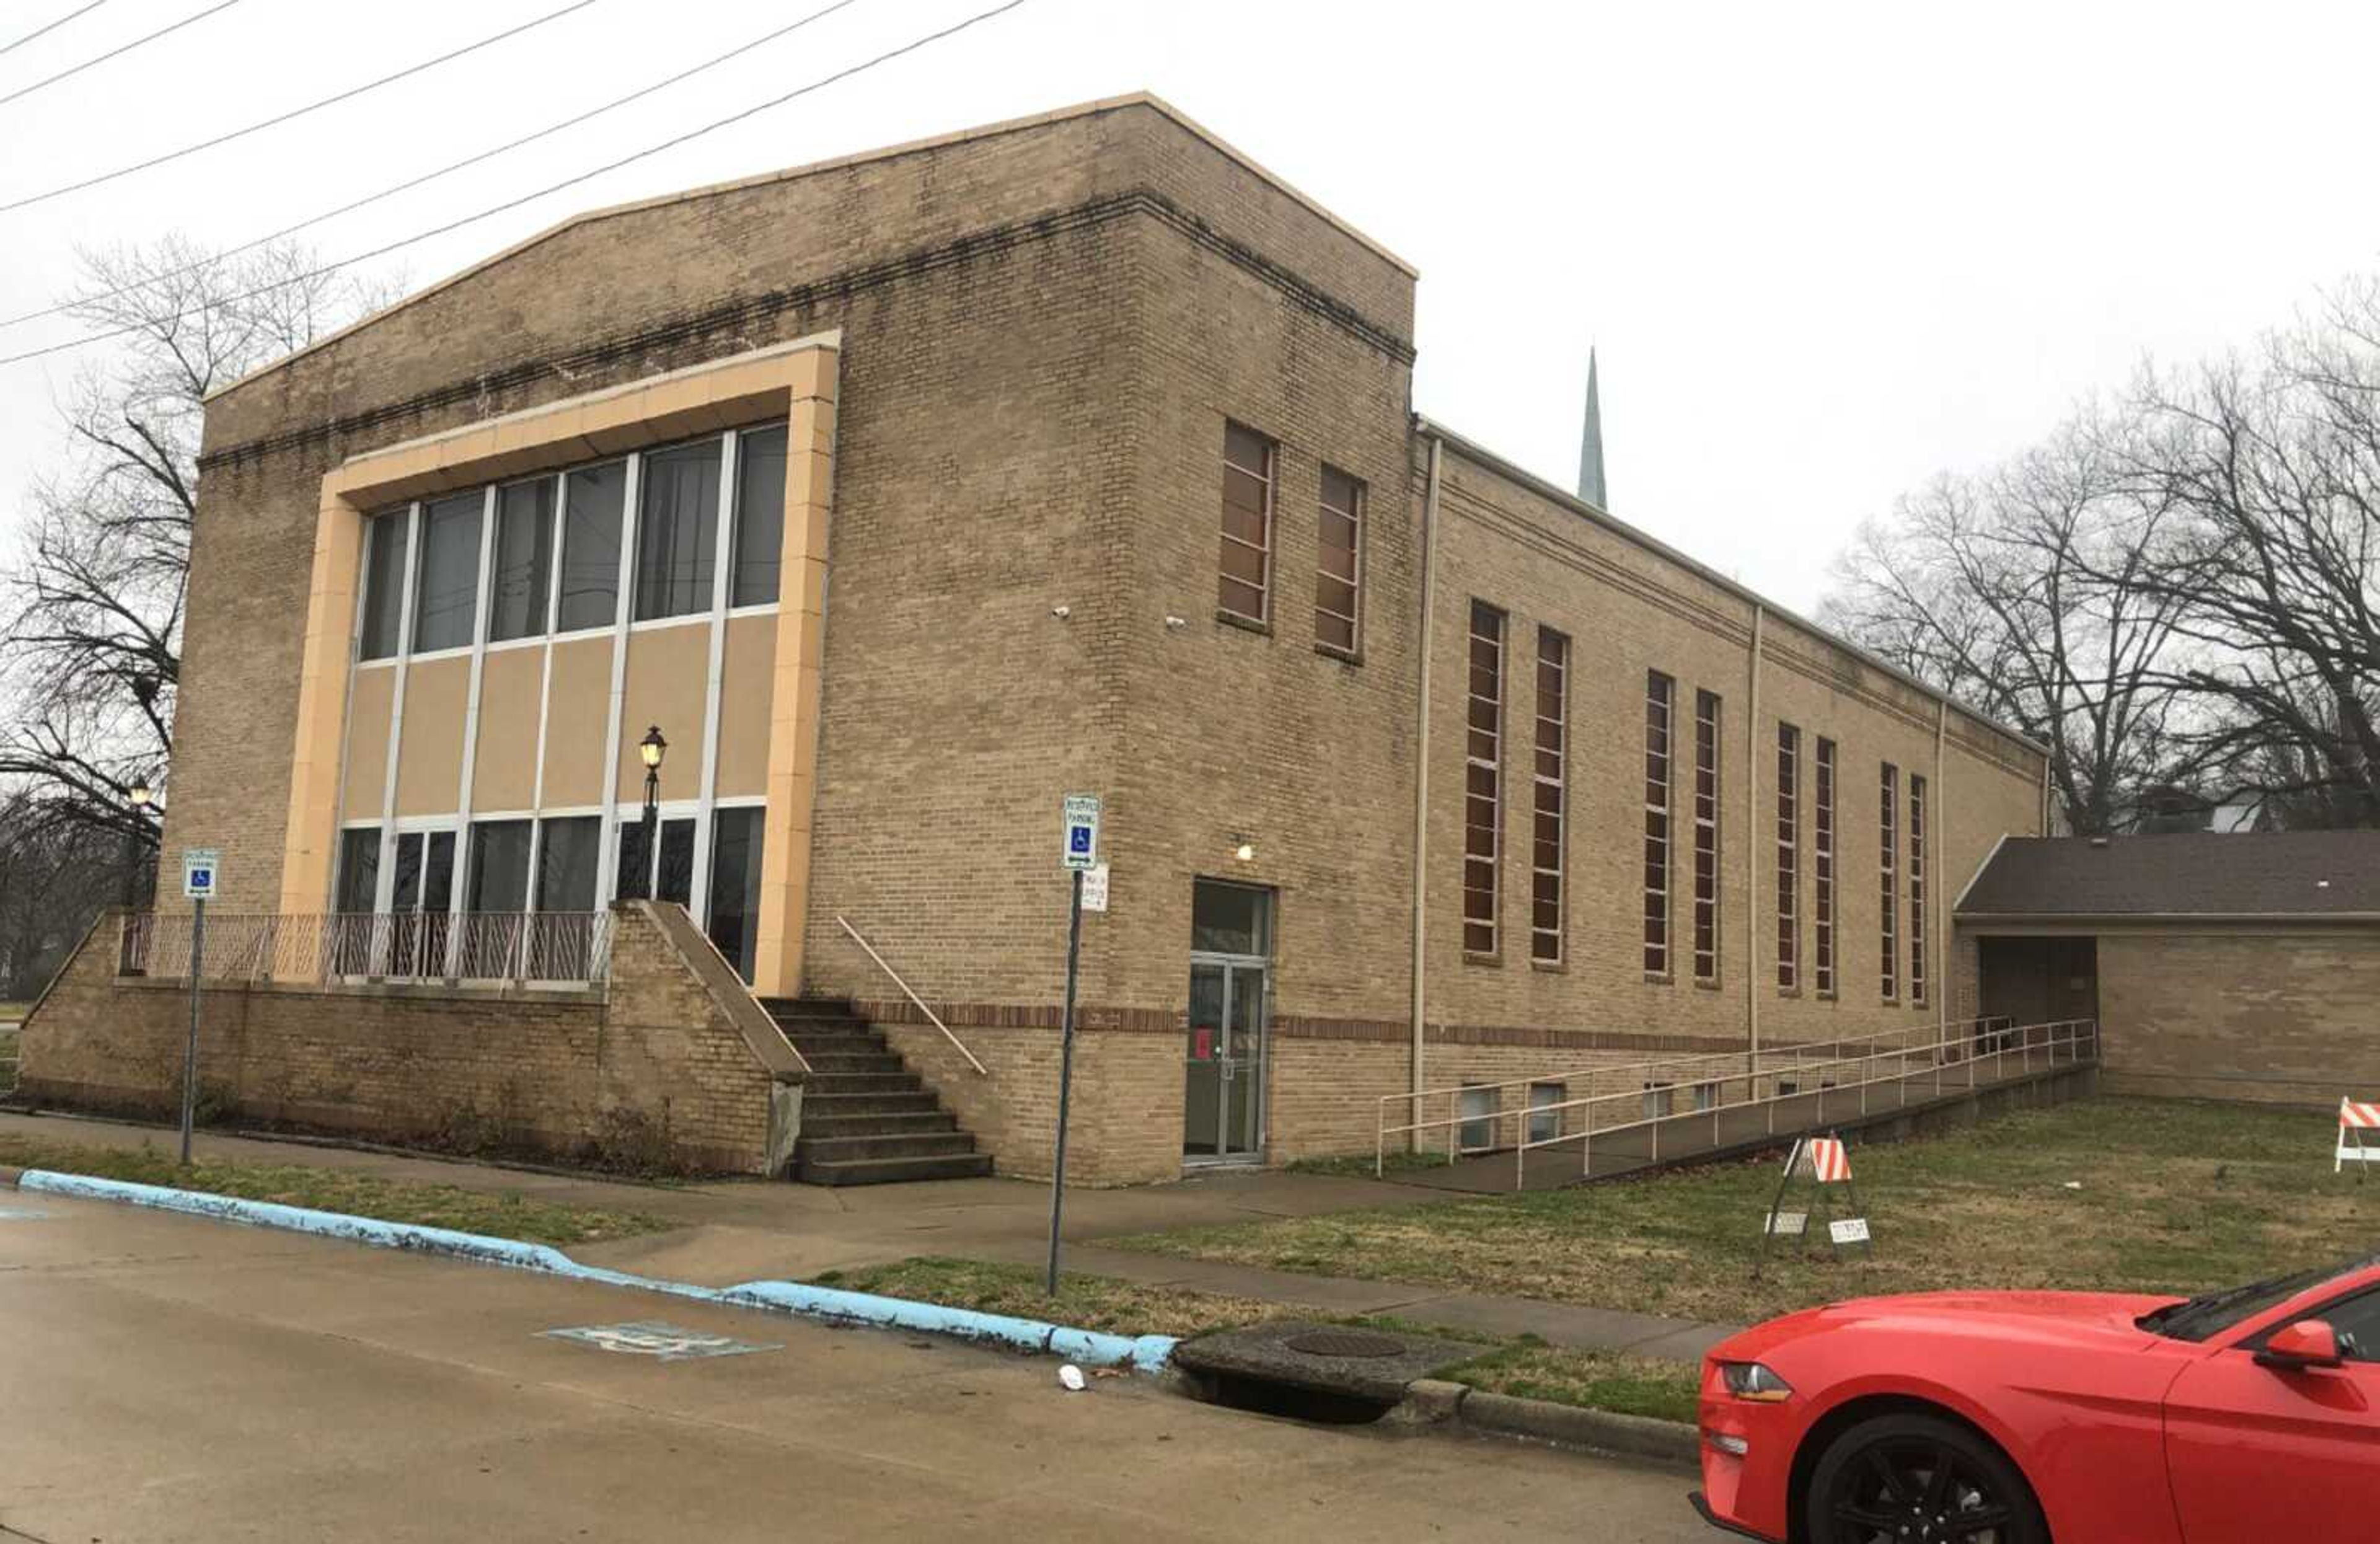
x: 1202, y: 1044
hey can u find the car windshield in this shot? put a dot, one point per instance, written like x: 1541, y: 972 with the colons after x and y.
x: 2213, y: 1312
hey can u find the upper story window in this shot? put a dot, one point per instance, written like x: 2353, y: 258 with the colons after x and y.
x: 1341, y: 576
x: 1916, y: 890
x: 677, y: 530
x: 1707, y: 709
x: 1552, y: 784
x: 594, y: 505
x: 759, y: 516
x: 385, y: 541
x: 553, y: 560
x: 1887, y: 872
x: 1660, y: 694
x: 1789, y: 857
x: 1822, y: 876
x: 446, y: 591
x: 1482, y: 771
x: 1248, y: 465
x: 522, y: 587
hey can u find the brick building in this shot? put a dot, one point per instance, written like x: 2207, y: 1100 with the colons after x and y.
x: 2242, y: 967
x: 908, y: 492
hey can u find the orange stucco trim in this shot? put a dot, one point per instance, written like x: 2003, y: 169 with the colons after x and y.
x: 795, y: 379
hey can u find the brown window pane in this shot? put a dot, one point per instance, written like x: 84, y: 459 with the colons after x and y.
x: 1246, y: 522
x: 1244, y: 599
x: 1338, y: 632
x: 1244, y: 563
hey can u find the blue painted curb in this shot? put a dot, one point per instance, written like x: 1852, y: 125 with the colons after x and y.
x: 1143, y: 1353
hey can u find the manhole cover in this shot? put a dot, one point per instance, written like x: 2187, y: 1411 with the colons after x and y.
x: 1345, y: 1342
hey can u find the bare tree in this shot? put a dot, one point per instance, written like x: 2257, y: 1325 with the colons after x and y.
x: 2274, y: 466
x: 2023, y: 592
x: 92, y: 653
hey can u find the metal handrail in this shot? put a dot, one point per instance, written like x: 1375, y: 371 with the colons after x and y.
x: 1681, y: 1067
x: 2022, y: 1041
x: 550, y: 948
x: 932, y: 1018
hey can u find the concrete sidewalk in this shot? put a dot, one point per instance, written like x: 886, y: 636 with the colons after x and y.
x: 726, y: 1232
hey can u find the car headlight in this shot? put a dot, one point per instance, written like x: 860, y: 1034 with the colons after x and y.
x: 1754, y: 1381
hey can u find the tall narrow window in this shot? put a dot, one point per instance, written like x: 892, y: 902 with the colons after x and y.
x: 594, y: 500
x: 1888, y: 875
x: 1546, y: 854
x: 1337, y: 585
x: 677, y: 530
x: 1822, y: 876
x: 1483, y: 801
x: 1706, y: 837
x: 1916, y: 890
x: 1248, y: 459
x: 1789, y: 857
x: 384, y: 586
x: 446, y: 590
x: 518, y: 597
x: 1659, y: 693
x: 759, y: 516
x: 570, y: 850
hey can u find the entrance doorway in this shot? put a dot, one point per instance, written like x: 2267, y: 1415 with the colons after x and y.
x: 1222, y: 1088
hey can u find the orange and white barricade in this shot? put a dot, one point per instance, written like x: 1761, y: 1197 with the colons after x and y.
x: 2354, y: 1120
x: 1830, y: 1161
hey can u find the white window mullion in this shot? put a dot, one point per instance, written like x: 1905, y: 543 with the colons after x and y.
x: 721, y: 576
x: 608, y: 855
x: 383, y: 891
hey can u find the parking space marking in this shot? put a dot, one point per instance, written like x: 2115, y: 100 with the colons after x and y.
x: 662, y: 1341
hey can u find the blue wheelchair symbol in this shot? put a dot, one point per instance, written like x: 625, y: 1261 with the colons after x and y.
x: 1078, y: 839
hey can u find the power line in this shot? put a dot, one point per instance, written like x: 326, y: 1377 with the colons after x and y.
x: 347, y: 95
x: 509, y: 204
x: 11, y: 47
x: 411, y: 182
x: 77, y: 69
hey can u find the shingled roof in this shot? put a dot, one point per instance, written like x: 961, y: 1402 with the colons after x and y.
x: 2313, y: 874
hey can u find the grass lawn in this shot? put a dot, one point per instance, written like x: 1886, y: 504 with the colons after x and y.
x: 505, y: 1214
x: 1525, y: 1366
x: 2173, y: 1197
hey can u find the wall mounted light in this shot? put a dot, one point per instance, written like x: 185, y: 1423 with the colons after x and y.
x: 1244, y: 850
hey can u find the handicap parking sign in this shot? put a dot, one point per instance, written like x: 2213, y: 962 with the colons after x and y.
x: 200, y: 867
x: 1082, y: 830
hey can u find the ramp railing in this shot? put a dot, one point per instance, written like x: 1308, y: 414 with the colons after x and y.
x: 1835, y: 1079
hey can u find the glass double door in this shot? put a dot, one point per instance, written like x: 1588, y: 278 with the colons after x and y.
x: 421, y: 897
x: 1223, y: 1114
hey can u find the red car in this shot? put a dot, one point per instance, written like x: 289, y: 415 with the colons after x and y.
x: 2249, y: 1416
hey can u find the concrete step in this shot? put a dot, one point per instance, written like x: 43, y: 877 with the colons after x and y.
x: 864, y: 1083
x: 892, y: 1171
x: 850, y: 1149
x: 899, y: 1122
x: 826, y: 1105
x: 837, y: 1061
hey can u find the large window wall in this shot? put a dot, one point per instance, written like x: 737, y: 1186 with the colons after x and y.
x: 679, y: 536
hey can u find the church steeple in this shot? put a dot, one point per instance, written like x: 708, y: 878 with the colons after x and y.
x: 1590, y: 443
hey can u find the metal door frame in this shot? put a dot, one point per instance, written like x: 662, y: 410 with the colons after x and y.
x: 1261, y: 1063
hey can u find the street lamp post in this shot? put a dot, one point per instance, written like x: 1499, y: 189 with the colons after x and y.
x: 651, y: 748
x: 138, y: 794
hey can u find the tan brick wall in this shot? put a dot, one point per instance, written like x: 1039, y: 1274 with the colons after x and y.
x: 1627, y: 611
x: 648, y: 1070
x: 2279, y: 1017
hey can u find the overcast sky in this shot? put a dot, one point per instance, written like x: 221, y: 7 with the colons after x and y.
x: 1824, y: 251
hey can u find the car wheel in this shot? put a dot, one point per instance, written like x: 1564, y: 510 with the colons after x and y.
x: 1918, y: 1479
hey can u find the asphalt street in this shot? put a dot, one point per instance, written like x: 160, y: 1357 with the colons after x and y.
x: 166, y: 1377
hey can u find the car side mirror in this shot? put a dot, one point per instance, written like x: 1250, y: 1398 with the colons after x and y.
x: 2309, y: 1342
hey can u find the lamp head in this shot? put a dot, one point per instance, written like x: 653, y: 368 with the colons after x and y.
x: 652, y: 748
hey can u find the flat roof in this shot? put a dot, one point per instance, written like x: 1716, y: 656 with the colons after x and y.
x: 1503, y: 465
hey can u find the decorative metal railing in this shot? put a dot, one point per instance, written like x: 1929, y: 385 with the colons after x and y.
x: 1833, y: 1077
x: 556, y: 948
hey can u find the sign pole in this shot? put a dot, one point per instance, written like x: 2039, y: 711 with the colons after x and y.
x: 1066, y: 1076
x: 190, y: 1047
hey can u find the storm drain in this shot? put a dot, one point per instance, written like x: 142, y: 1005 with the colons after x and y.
x: 1326, y: 1374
